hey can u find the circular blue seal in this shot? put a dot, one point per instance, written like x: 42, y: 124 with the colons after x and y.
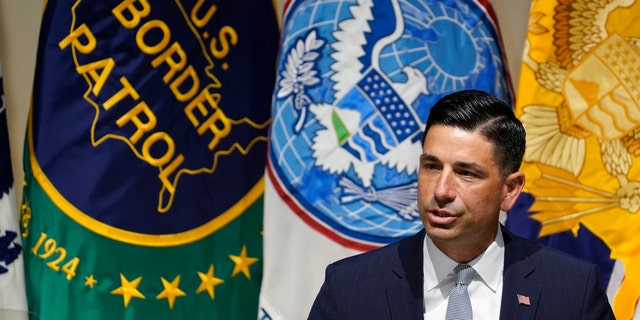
x: 355, y: 83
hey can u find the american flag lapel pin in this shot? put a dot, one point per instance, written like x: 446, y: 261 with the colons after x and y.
x: 524, y: 300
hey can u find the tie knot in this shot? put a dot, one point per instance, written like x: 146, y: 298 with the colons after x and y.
x: 464, y: 273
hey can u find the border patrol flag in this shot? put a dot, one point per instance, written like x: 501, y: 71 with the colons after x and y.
x: 579, y: 101
x: 13, y: 300
x: 354, y: 85
x: 144, y: 159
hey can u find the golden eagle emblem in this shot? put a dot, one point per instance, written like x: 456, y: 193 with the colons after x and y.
x: 579, y: 100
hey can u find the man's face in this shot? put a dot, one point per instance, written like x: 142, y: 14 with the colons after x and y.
x: 461, y: 192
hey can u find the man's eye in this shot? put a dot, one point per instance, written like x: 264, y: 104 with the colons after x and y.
x: 466, y: 174
x: 429, y: 166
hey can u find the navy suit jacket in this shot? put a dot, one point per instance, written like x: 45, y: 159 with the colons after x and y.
x: 386, y: 283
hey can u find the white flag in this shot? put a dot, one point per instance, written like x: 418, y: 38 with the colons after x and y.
x: 356, y: 80
x: 13, y: 300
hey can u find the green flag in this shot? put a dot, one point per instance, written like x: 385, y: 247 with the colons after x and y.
x: 144, y: 159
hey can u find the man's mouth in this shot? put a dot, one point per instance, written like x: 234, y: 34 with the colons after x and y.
x: 441, y: 217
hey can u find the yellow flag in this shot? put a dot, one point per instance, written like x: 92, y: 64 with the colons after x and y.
x: 579, y: 99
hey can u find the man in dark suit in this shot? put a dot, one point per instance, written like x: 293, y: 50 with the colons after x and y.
x: 464, y: 261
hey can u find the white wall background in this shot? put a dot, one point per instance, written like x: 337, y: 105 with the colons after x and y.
x: 20, y: 25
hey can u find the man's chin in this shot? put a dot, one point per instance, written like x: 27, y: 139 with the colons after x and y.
x: 440, y: 232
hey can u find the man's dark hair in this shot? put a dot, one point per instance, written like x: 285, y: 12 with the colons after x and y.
x: 473, y: 110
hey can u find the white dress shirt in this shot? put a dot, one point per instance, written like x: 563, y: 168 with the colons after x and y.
x: 485, y: 288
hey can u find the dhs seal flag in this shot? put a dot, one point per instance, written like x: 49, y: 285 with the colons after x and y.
x: 355, y: 83
x: 145, y: 159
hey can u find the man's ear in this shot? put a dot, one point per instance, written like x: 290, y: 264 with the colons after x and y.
x: 513, y: 185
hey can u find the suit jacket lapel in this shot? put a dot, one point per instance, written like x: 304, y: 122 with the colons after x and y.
x: 406, y: 295
x: 520, y: 292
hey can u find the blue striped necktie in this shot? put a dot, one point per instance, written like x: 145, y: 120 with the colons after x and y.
x: 459, y: 307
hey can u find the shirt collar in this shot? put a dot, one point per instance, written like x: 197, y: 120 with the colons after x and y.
x: 488, y: 265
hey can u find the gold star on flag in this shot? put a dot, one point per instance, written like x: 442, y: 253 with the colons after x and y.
x: 242, y: 263
x: 128, y: 289
x: 90, y: 281
x: 171, y: 291
x: 208, y: 282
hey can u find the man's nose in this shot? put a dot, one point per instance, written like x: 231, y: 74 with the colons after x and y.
x: 444, y: 190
